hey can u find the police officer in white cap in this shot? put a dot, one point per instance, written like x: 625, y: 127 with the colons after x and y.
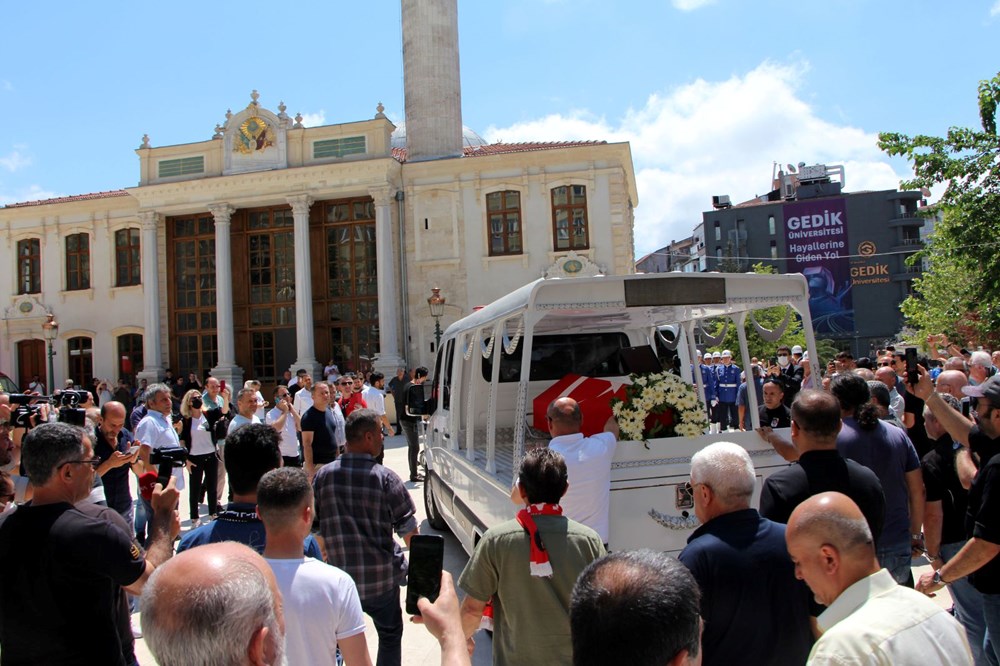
x: 728, y: 376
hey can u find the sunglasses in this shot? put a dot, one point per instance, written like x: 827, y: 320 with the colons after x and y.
x: 885, y: 365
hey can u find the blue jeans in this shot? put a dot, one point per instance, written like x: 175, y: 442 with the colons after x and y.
x: 968, y: 606
x: 143, y: 514
x: 991, y: 613
x: 387, y: 615
x: 899, y: 564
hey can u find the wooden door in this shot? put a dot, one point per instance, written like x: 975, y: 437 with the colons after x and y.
x: 31, y: 362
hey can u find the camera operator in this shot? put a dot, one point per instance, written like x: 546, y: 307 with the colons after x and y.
x: 65, y: 562
x: 156, y: 430
x: 112, y: 444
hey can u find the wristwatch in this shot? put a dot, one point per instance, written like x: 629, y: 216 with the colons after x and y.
x: 937, y: 579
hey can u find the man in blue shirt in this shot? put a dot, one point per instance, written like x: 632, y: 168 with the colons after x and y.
x: 728, y: 375
x: 755, y: 611
x: 251, y: 452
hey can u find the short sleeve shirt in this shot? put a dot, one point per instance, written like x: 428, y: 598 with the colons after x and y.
x: 156, y: 430
x: 942, y: 485
x: 326, y: 429
x: 61, y: 597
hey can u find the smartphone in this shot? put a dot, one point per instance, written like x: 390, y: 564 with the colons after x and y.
x: 426, y: 562
x: 912, y: 376
x: 222, y: 385
x: 133, y: 450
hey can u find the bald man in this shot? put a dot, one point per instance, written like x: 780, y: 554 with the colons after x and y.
x: 588, y: 462
x: 887, y: 376
x: 951, y: 382
x: 215, y: 604
x: 112, y: 445
x: 869, y: 619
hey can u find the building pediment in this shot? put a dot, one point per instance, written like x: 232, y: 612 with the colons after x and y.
x: 255, y: 139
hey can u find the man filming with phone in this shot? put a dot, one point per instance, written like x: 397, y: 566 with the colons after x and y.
x: 113, y: 445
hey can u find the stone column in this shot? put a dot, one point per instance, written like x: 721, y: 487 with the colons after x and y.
x: 305, y: 343
x: 388, y: 358
x: 152, y: 354
x: 226, y: 367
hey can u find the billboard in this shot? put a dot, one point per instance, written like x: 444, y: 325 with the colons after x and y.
x: 817, y: 246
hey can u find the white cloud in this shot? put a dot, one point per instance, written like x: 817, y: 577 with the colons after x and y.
x: 690, y: 5
x: 31, y: 193
x: 717, y: 137
x: 314, y: 119
x: 14, y: 160
x: 995, y: 9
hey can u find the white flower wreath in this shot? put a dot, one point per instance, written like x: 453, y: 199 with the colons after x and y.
x: 659, y: 394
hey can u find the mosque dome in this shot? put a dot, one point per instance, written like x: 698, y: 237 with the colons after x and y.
x: 469, y: 137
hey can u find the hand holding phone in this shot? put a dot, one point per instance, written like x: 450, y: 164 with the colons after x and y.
x: 426, y: 563
x: 912, y: 376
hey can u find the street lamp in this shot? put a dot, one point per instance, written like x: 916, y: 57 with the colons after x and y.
x: 436, y: 304
x: 51, y: 330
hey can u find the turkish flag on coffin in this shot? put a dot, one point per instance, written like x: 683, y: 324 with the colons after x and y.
x: 593, y: 395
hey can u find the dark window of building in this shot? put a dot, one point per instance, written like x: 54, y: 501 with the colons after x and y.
x: 569, y: 218
x: 81, y: 360
x: 774, y: 250
x: 127, y: 266
x: 718, y: 231
x: 352, y: 145
x: 29, y: 266
x: 770, y: 224
x: 191, y: 293
x: 346, y: 305
x: 503, y: 211
x: 129, y: 357
x: 77, y: 262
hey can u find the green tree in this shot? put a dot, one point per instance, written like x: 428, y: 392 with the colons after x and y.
x: 960, y: 294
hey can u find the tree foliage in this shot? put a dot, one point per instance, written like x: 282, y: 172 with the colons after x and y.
x: 960, y: 292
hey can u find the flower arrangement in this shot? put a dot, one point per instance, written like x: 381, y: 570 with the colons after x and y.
x: 659, y: 405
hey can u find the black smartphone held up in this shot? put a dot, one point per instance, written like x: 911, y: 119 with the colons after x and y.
x: 912, y: 376
x: 426, y: 562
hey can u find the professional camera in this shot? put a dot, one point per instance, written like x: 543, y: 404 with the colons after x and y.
x: 21, y: 417
x: 167, y: 458
x: 70, y: 398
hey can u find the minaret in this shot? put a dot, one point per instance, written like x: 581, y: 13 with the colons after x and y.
x: 431, y: 81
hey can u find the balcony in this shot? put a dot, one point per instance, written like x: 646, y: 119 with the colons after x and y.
x: 907, y: 245
x: 908, y: 219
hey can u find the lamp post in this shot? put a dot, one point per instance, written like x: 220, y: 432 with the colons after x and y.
x: 51, y: 330
x: 436, y: 304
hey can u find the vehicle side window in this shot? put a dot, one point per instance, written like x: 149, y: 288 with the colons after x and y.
x: 553, y: 356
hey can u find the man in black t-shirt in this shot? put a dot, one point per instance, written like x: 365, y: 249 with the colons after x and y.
x: 978, y: 557
x: 322, y: 430
x: 112, y: 444
x: 944, y: 523
x: 65, y: 561
x: 820, y: 467
x: 413, y: 408
x: 773, y: 412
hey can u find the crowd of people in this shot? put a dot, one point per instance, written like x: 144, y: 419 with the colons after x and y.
x: 312, y: 536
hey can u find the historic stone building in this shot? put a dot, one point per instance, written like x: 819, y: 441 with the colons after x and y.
x: 272, y: 246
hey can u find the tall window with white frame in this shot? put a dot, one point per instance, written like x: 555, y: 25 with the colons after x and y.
x: 503, y: 210
x: 77, y: 262
x: 569, y: 218
x: 29, y: 266
x: 81, y: 360
x: 127, y: 267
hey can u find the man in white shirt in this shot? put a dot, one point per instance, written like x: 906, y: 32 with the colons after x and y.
x: 156, y: 431
x: 870, y: 619
x: 321, y: 603
x: 283, y: 418
x: 374, y: 396
x: 588, y: 462
x: 303, y: 398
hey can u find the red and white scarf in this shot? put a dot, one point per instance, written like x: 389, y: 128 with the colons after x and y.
x: 540, y: 565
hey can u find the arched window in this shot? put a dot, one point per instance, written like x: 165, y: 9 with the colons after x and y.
x: 77, y: 262
x: 81, y: 360
x: 503, y: 210
x: 569, y: 218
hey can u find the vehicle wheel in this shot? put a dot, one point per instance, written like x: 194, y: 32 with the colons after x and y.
x: 433, y: 516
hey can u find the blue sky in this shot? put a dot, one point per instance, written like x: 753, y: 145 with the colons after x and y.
x: 710, y: 93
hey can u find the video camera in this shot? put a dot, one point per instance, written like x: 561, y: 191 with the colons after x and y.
x: 66, y: 402
x: 167, y: 458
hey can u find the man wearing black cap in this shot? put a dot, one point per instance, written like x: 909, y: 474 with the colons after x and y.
x: 978, y: 558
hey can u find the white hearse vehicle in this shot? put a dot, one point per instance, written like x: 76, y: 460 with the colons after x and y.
x: 589, y: 326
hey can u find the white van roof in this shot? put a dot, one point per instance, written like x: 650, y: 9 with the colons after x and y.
x: 639, y: 300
